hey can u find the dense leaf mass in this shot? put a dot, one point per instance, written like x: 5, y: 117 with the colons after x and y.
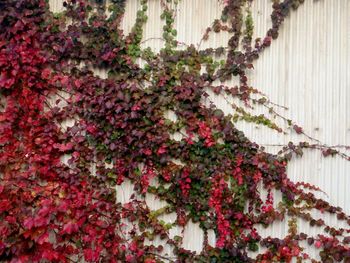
x: 57, y: 189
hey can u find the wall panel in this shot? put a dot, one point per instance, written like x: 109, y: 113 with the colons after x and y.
x: 307, y: 69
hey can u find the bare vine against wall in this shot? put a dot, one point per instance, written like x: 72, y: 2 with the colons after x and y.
x: 56, y: 211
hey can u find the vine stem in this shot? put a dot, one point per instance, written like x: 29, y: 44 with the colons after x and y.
x: 287, y: 120
x: 161, y: 39
x: 314, y: 146
x: 160, y: 256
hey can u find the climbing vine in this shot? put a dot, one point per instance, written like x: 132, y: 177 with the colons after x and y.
x: 57, y: 188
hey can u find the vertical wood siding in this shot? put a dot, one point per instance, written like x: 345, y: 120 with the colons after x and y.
x: 307, y: 69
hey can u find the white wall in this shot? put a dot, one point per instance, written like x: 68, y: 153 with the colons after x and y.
x: 307, y: 69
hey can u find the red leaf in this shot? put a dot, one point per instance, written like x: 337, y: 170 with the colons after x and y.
x: 50, y: 255
x: 70, y: 228
x: 63, y: 147
x: 44, y: 238
x: 28, y: 223
x: 4, y: 205
x: 91, y: 255
x: 46, y: 73
x: 64, y: 80
x: 297, y: 129
x: 318, y: 244
x: 78, y: 83
x: 76, y: 154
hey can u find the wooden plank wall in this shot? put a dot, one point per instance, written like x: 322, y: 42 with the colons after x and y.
x: 307, y: 69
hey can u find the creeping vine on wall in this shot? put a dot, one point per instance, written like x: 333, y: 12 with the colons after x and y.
x: 57, y: 211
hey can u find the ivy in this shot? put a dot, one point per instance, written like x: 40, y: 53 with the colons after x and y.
x: 57, y: 188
